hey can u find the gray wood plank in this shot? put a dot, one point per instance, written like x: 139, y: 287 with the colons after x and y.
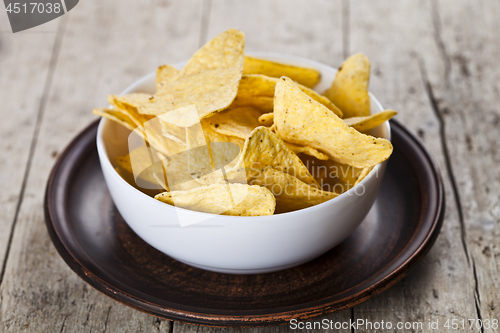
x: 467, y: 99
x: 441, y: 287
x: 26, y: 58
x: 105, y: 48
x: 311, y: 29
x: 408, y: 47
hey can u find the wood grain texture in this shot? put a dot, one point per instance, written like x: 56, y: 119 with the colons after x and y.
x: 442, y: 286
x: 26, y: 64
x: 466, y: 98
x: 104, y: 48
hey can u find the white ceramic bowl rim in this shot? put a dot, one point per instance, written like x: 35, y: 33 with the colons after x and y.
x: 307, y: 210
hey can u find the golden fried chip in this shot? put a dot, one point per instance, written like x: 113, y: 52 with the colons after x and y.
x: 164, y: 75
x: 141, y: 164
x: 349, y: 90
x: 238, y: 122
x: 267, y: 119
x: 130, y: 102
x: 306, y: 150
x: 263, y: 149
x: 149, y: 127
x: 291, y: 193
x: 209, y: 81
x: 301, y: 120
x: 363, y: 124
x: 263, y: 103
x: 363, y: 174
x: 332, y: 176
x: 254, y: 87
x: 116, y: 116
x: 308, y: 77
x: 225, y: 199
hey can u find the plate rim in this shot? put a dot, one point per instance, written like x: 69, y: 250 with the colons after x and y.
x: 237, y: 320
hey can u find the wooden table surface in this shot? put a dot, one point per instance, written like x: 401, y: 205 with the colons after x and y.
x: 436, y: 62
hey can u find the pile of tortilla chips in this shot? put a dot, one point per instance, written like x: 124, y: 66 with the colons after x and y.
x: 237, y: 135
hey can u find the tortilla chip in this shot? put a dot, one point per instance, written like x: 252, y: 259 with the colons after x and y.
x: 291, y: 193
x: 225, y: 199
x: 363, y: 174
x: 164, y: 76
x: 363, y: 124
x: 238, y: 122
x: 267, y: 119
x: 209, y: 81
x: 116, y: 116
x: 141, y: 164
x: 332, y: 176
x: 263, y: 103
x: 263, y: 148
x: 306, y: 150
x: 301, y: 120
x: 349, y: 90
x: 254, y: 87
x: 308, y: 77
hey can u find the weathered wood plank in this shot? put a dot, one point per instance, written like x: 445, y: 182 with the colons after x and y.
x: 467, y: 98
x: 311, y: 29
x: 105, y: 47
x: 24, y: 58
x: 398, y: 37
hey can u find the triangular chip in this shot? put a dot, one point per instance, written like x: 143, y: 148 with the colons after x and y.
x: 116, y: 116
x: 349, y: 90
x: 363, y: 124
x: 301, y: 120
x: 308, y: 77
x: 209, y: 81
x: 267, y: 119
x: 164, y: 76
x: 263, y: 149
x: 291, y: 194
x: 141, y: 164
x: 332, y: 176
x: 225, y: 199
x: 239, y: 122
x: 306, y: 150
x: 254, y: 89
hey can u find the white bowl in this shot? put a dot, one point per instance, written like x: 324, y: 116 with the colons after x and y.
x: 236, y: 244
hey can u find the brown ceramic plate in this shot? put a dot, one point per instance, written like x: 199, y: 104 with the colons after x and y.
x: 97, y: 244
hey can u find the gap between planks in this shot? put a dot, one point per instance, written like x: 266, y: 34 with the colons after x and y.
x: 34, y: 139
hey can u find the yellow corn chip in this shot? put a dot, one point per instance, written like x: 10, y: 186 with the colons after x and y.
x: 308, y: 77
x: 164, y: 76
x: 225, y: 199
x: 209, y: 81
x: 129, y: 104
x: 238, y: 122
x: 263, y: 148
x: 291, y: 193
x: 267, y: 119
x: 349, y: 90
x: 332, y: 176
x: 141, y: 164
x: 301, y: 120
x: 363, y: 124
x: 253, y: 87
x: 263, y: 103
x: 306, y: 150
x: 116, y: 116
x: 363, y: 174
